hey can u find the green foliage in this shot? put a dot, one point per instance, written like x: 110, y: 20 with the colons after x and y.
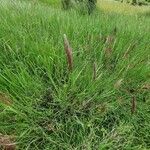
x: 51, y: 108
x: 66, y: 4
x: 55, y: 3
x: 136, y: 2
x: 83, y: 5
x: 91, y: 4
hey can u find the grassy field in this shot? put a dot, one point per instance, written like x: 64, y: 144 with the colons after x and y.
x: 102, y: 104
x: 125, y: 8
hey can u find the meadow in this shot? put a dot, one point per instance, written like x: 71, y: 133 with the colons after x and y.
x: 101, y: 103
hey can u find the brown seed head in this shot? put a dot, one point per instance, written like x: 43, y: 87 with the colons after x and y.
x: 68, y: 51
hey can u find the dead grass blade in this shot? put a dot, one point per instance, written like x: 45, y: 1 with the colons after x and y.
x: 110, y: 40
x: 118, y: 84
x: 5, y: 99
x: 131, y: 47
x: 7, y: 142
x: 146, y: 86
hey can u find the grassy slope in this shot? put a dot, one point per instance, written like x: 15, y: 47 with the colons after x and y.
x: 111, y: 6
x: 53, y: 109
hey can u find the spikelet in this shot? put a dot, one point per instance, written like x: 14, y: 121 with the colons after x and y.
x: 68, y: 51
x: 133, y: 105
x: 94, y: 71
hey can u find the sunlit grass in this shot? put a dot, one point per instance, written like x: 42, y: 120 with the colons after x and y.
x: 113, y: 6
x: 54, y: 3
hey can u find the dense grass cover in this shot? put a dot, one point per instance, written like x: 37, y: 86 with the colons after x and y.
x: 55, y: 3
x: 103, y: 103
x: 125, y: 8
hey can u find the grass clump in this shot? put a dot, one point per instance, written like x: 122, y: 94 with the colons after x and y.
x: 51, y: 108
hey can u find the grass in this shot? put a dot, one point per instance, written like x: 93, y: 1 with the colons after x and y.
x: 54, y: 3
x: 125, y: 8
x: 45, y: 106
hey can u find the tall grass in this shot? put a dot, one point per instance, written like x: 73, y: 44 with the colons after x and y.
x: 125, y: 8
x: 51, y: 109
